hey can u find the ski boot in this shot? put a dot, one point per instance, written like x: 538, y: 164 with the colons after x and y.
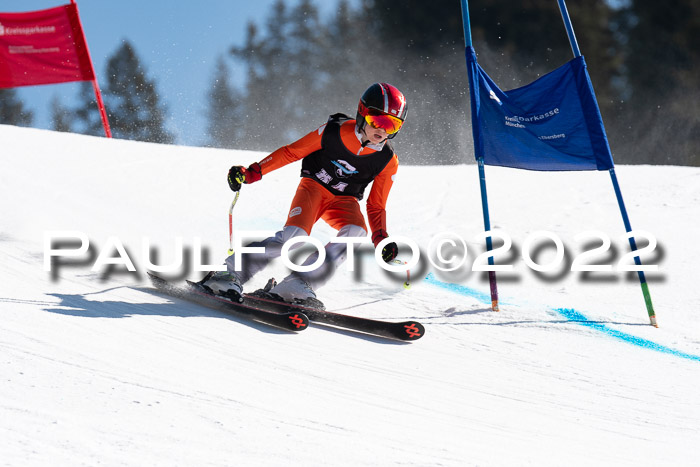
x: 293, y: 290
x: 225, y: 284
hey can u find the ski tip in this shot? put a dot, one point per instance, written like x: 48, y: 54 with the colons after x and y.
x: 412, y: 331
x: 298, y: 321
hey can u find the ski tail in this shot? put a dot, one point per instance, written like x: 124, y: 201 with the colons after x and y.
x: 292, y: 320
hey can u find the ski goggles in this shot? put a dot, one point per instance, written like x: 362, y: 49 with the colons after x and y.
x: 386, y: 122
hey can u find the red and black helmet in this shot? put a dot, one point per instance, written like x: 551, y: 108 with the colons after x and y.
x: 382, y: 106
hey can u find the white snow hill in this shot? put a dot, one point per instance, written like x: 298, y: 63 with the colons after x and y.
x: 97, y: 368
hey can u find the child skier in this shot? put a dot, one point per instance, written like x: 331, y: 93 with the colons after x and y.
x: 340, y: 159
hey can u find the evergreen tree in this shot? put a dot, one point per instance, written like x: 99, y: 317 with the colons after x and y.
x: 285, y: 79
x: 662, y: 60
x: 264, y: 90
x: 345, y: 69
x: 516, y: 43
x: 301, y: 68
x: 87, y: 114
x: 224, y: 112
x: 664, y: 34
x: 12, y: 110
x: 304, y: 72
x: 298, y: 67
x: 61, y: 117
x: 418, y: 47
x: 132, y: 102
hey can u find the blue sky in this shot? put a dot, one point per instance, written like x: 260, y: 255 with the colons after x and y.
x: 178, y: 43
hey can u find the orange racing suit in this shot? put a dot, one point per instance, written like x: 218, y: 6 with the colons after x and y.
x: 335, y: 176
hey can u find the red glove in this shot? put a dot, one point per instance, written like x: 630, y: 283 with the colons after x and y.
x: 253, y: 173
x: 238, y: 175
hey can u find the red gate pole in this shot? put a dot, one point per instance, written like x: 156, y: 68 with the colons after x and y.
x: 95, y: 86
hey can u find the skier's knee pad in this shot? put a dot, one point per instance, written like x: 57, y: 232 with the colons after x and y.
x: 289, y: 231
x: 351, y: 230
x: 272, y: 249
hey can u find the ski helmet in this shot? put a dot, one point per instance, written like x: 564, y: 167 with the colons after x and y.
x: 382, y: 106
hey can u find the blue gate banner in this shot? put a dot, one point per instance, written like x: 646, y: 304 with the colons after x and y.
x: 553, y: 123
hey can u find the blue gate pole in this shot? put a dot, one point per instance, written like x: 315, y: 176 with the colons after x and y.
x: 480, y: 160
x: 466, y: 25
x: 633, y: 246
x: 613, y: 177
x: 569, y: 28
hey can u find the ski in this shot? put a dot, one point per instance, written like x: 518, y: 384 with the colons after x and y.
x: 404, y: 330
x: 289, y: 316
x: 291, y: 319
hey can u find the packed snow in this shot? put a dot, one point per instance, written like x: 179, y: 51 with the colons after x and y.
x: 99, y: 368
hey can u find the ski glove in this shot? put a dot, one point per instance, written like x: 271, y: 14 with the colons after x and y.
x: 390, y: 250
x: 238, y: 175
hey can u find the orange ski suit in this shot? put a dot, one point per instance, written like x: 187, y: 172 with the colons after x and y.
x: 313, y: 201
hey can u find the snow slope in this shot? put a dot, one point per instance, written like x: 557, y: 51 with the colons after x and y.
x: 98, y: 368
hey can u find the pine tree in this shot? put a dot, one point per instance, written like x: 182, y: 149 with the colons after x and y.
x: 516, y: 43
x: 132, y: 102
x: 12, y: 110
x: 343, y: 61
x: 304, y: 80
x: 224, y: 112
x: 87, y: 114
x: 61, y: 117
x: 286, y: 82
x: 642, y: 55
x: 418, y: 47
x: 662, y: 62
x: 264, y: 88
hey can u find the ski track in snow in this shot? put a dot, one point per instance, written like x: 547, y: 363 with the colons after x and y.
x: 101, y: 369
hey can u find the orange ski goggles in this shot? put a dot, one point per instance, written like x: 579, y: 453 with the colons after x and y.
x: 386, y: 122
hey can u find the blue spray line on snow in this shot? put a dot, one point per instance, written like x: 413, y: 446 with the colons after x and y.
x: 576, y: 317
x: 458, y: 289
x: 572, y: 316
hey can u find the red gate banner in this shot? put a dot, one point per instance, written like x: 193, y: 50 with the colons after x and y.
x: 43, y: 47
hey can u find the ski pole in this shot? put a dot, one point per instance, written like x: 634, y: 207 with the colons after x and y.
x: 230, y: 223
x: 407, y: 282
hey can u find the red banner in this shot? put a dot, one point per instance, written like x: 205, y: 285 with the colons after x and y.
x: 43, y: 47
